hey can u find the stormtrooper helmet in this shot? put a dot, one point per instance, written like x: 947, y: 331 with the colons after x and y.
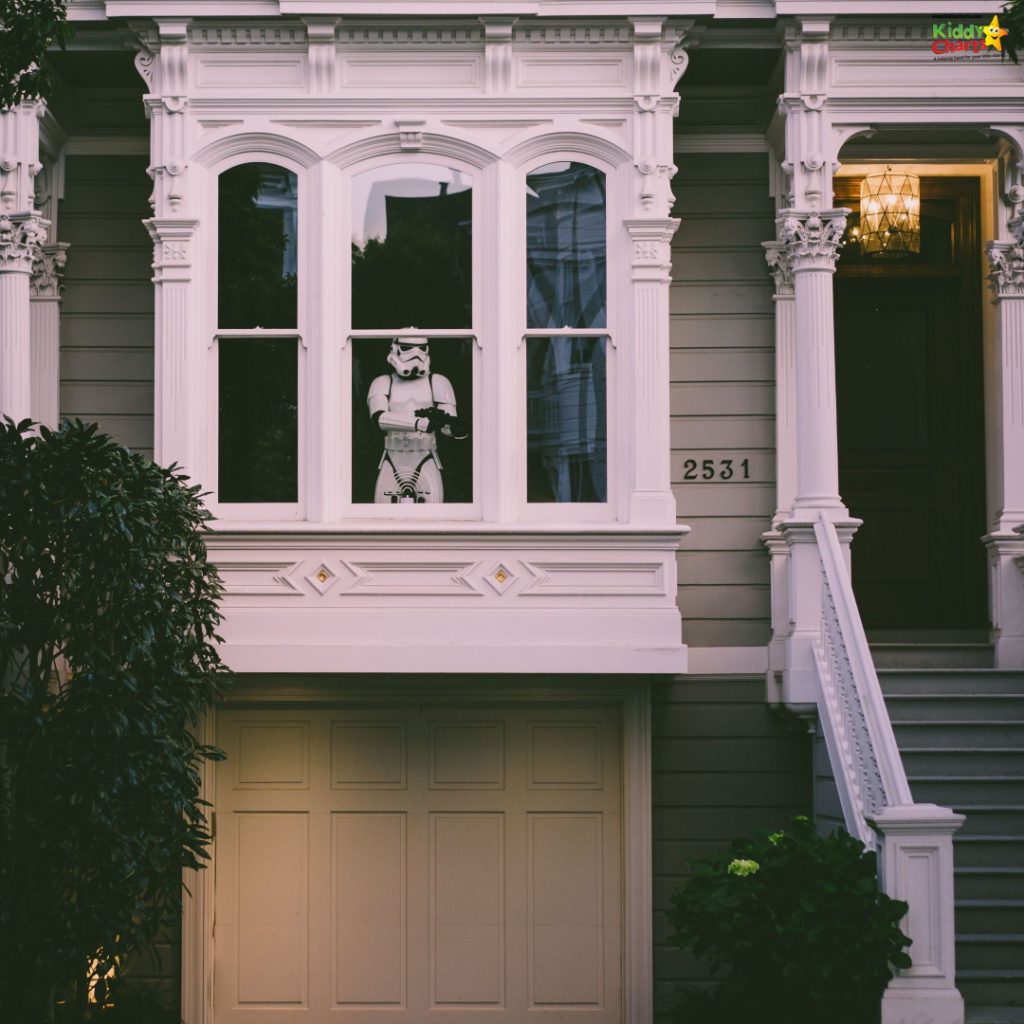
x: 410, y: 357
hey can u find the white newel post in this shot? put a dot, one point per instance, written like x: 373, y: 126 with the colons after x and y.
x: 22, y: 229
x: 1005, y: 542
x: 916, y: 865
x: 46, y: 287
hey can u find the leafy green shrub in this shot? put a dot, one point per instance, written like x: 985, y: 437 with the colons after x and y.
x: 27, y: 29
x: 108, y: 612
x: 795, y: 925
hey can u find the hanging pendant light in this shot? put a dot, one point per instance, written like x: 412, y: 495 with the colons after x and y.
x: 890, y: 214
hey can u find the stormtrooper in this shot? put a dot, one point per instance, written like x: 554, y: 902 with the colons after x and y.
x: 412, y: 406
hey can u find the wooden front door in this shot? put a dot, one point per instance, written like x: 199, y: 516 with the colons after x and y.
x: 417, y: 864
x: 911, y: 442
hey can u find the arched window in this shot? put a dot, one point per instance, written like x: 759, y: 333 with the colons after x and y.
x: 257, y: 336
x: 566, y: 372
x: 412, y: 331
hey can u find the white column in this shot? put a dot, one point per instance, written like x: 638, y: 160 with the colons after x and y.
x: 174, y: 400
x: 659, y: 60
x: 19, y: 235
x: 916, y: 865
x: 1005, y: 543
x: 812, y: 239
x: 22, y: 228
x: 45, y: 288
x: 652, y: 501
x: 811, y: 242
x: 779, y: 263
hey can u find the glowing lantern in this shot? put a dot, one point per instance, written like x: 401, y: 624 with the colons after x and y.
x: 890, y: 214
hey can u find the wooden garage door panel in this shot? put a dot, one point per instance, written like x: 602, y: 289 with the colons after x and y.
x: 432, y: 864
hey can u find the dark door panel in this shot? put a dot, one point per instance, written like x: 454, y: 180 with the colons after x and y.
x: 911, y: 443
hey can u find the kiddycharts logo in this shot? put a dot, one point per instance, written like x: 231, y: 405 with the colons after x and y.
x: 967, y: 40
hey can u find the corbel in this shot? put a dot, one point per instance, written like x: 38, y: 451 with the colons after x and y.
x: 410, y: 135
x: 321, y: 42
x: 498, y: 36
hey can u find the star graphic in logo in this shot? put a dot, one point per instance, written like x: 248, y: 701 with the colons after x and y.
x: 994, y: 34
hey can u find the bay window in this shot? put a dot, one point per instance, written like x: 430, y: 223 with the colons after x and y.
x: 448, y: 402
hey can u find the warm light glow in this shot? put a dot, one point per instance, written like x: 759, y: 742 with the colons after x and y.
x: 890, y: 214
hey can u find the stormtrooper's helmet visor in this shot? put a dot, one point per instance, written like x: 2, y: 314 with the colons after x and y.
x: 410, y: 357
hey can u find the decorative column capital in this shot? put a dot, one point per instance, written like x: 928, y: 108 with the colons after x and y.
x: 20, y: 236
x: 48, y: 263
x: 812, y: 237
x: 1006, y: 263
x: 779, y: 258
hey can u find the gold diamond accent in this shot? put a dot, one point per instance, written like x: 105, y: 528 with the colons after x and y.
x: 323, y: 576
x: 501, y: 576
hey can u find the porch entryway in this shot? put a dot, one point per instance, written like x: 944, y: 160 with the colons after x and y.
x: 419, y: 863
x: 910, y: 417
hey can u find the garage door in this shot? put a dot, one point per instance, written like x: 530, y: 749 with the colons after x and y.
x: 421, y: 864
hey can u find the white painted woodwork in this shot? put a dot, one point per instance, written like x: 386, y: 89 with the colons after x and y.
x: 496, y: 98
x: 417, y: 862
x: 44, y: 331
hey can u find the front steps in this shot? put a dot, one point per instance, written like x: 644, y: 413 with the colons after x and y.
x: 961, y: 733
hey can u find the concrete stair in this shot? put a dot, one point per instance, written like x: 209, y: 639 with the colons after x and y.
x: 961, y: 733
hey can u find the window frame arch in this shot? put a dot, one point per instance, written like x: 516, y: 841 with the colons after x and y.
x: 225, y: 155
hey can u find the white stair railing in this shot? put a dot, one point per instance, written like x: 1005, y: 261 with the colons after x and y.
x: 914, y: 841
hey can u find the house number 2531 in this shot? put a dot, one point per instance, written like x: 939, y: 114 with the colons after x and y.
x: 716, y: 469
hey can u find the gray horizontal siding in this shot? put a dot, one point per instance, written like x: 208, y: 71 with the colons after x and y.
x: 723, y: 767
x: 106, y: 363
x: 722, y: 387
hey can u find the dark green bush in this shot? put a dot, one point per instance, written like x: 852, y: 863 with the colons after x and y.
x: 795, y: 927
x: 108, y: 613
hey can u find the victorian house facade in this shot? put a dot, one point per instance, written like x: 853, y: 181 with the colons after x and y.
x: 546, y: 389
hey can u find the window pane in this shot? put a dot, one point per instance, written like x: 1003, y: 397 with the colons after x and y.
x: 566, y: 420
x: 565, y: 247
x: 412, y: 248
x: 259, y: 422
x: 257, y: 255
x: 393, y: 462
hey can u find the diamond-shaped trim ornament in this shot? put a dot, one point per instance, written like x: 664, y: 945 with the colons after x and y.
x: 322, y: 579
x: 500, y: 577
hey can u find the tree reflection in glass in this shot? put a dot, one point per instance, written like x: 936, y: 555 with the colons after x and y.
x: 412, y: 248
x: 566, y: 420
x: 565, y: 246
x: 257, y: 215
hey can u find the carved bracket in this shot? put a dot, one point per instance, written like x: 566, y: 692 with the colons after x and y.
x: 410, y: 135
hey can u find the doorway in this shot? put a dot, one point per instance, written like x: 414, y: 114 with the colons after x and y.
x: 910, y: 415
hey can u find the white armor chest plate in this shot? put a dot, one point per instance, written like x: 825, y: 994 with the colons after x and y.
x: 408, y: 395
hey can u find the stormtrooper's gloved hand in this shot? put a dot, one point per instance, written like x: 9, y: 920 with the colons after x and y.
x: 439, y: 420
